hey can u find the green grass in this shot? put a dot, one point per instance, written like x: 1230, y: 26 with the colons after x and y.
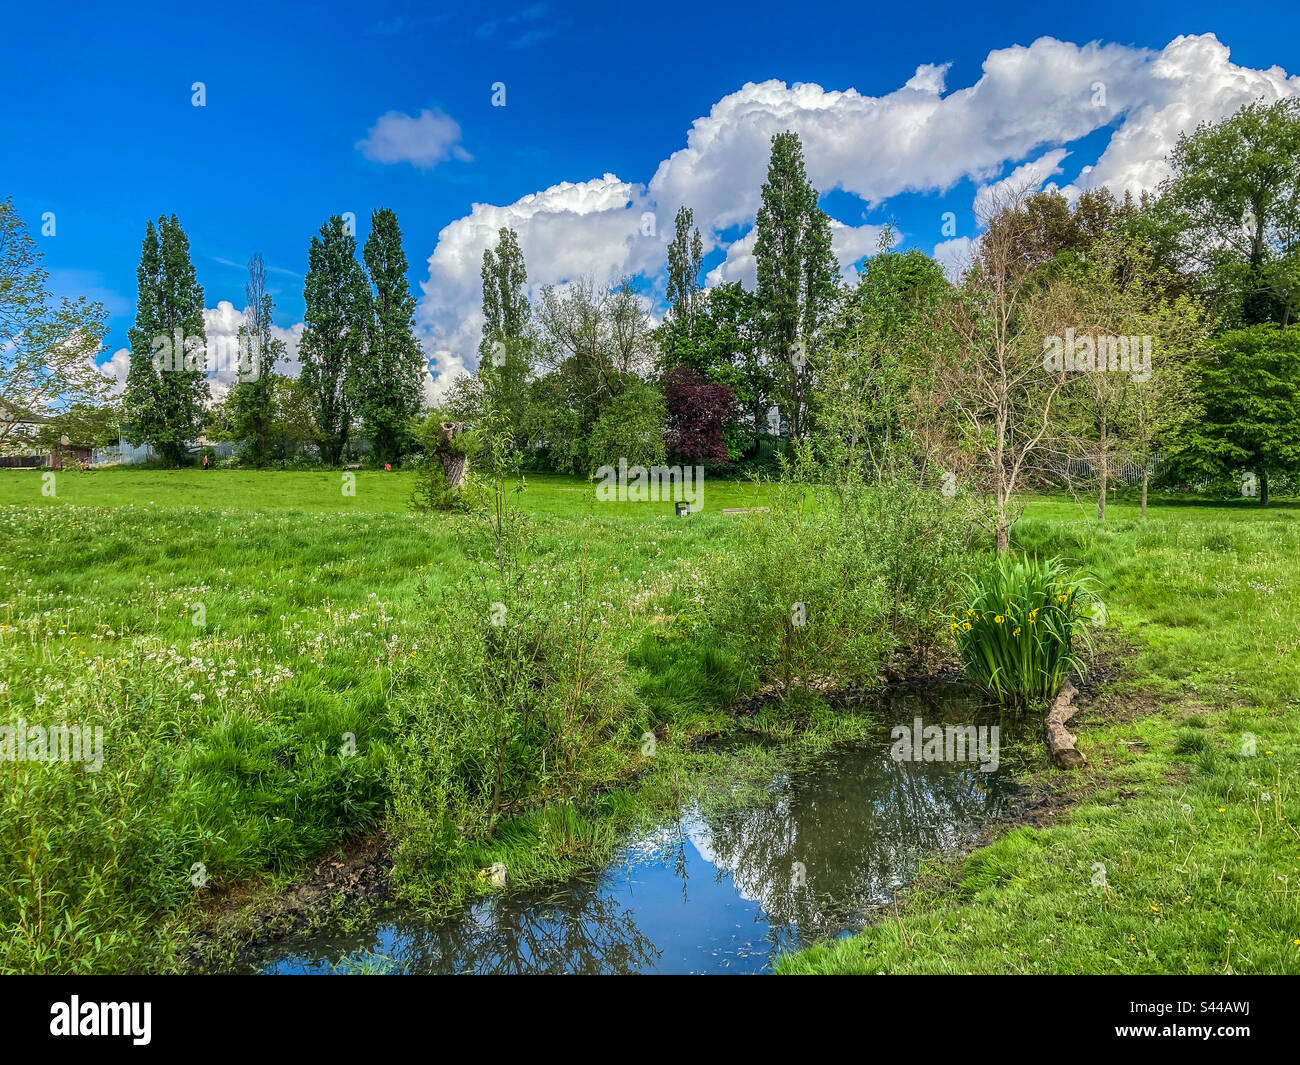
x: 1197, y: 840
x: 311, y: 619
x: 230, y: 631
x: 321, y: 491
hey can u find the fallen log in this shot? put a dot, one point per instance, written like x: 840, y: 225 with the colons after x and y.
x: 1060, y: 742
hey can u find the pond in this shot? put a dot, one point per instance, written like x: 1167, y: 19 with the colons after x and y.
x: 724, y: 892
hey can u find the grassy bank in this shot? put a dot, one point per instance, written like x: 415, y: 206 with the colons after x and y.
x: 1182, y: 853
x: 267, y: 659
x: 238, y: 637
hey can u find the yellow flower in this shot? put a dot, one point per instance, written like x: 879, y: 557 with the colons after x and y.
x: 970, y: 613
x: 1017, y: 631
x: 966, y: 626
x: 997, y: 619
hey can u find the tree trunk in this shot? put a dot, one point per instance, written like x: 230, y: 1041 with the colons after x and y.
x: 1263, y: 488
x: 455, y: 466
x: 1001, y: 489
x: 1103, y: 474
x: 1146, y: 478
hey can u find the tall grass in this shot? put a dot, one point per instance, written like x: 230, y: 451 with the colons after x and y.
x: 522, y: 699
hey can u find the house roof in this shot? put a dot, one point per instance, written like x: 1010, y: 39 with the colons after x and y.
x: 10, y: 413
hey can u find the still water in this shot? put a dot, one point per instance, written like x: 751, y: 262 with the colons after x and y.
x: 720, y: 893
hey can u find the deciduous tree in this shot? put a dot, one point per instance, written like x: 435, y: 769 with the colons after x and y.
x: 508, y: 348
x: 385, y: 376
x: 991, y: 344
x: 798, y: 275
x: 697, y: 412
x: 47, y: 347
x: 1249, y: 383
x: 252, y: 400
x: 1233, y: 205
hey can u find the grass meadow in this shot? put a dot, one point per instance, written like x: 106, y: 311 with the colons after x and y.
x: 243, y: 638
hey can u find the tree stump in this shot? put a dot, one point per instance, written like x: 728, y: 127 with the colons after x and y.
x: 1060, y: 743
x: 454, y: 464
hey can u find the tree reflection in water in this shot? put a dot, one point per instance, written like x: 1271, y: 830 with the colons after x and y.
x: 858, y: 822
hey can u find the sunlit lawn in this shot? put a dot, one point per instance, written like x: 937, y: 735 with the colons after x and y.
x: 369, y: 491
x: 231, y: 625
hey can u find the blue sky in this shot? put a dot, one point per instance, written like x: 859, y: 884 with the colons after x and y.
x: 100, y: 128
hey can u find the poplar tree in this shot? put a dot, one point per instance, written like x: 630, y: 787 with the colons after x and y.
x: 507, y: 349
x: 680, y: 334
x: 334, y: 332
x: 165, y: 385
x: 385, y: 373
x: 685, y: 260
x: 798, y: 275
x: 506, y: 311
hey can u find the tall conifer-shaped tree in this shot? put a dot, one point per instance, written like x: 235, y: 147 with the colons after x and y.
x: 506, y: 310
x: 334, y: 332
x: 685, y: 260
x: 798, y: 275
x: 507, y: 349
x: 385, y: 376
x: 165, y: 384
x: 679, y: 335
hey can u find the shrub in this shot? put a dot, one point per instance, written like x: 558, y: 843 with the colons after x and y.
x: 834, y: 583
x: 1018, y: 628
x: 630, y: 426
x: 521, y: 699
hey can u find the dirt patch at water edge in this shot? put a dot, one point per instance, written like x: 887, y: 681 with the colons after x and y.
x: 246, y: 918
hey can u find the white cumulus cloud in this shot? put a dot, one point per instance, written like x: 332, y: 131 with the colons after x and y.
x: 1016, y: 124
x: 603, y: 228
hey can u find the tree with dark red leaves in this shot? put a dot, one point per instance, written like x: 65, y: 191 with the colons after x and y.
x: 697, y: 411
